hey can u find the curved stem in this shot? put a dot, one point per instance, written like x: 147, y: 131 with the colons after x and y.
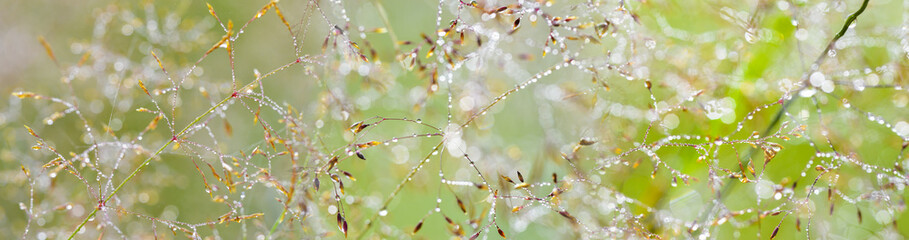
x: 779, y: 114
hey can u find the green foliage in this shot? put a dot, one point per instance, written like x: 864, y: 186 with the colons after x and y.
x: 528, y: 119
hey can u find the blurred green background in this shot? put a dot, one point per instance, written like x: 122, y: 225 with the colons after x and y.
x: 742, y: 55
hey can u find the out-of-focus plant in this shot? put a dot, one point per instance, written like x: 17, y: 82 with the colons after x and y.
x: 472, y: 119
